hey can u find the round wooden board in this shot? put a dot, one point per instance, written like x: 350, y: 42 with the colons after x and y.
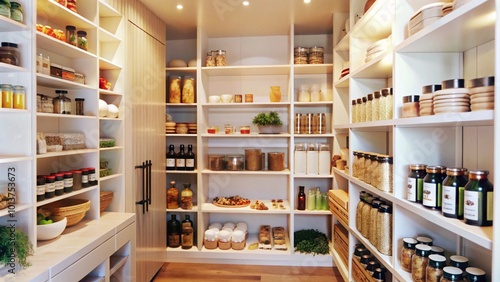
x: 228, y: 206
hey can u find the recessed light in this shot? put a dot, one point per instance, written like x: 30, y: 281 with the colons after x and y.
x: 307, y: 1
x: 246, y: 3
x: 179, y: 7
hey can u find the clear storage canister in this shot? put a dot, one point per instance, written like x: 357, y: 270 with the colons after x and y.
x: 174, y: 91
x: 434, y: 270
x: 188, y: 89
x: 220, y: 58
x: 306, y: 123
x: 359, y: 210
x: 316, y: 55
x: 384, y: 173
x: 415, y: 183
x: 19, y: 97
x: 376, y: 106
x: 300, y: 55
x: 298, y: 124
x: 7, y: 96
x: 365, y: 217
x: 384, y: 228
x: 474, y: 274
x: 319, y: 123
x: 210, y: 59
x: 81, y: 40
x: 304, y: 95
x: 359, y: 103
x: 373, y: 230
x: 354, y: 109
x: 419, y: 262
x: 369, y: 107
x: 363, y: 109
x: 452, y: 274
x: 407, y: 253
x: 361, y: 172
x: 385, y: 104
x: 71, y: 35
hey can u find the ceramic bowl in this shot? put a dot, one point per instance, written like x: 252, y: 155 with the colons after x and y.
x: 214, y: 99
x: 51, y: 231
x: 226, y: 98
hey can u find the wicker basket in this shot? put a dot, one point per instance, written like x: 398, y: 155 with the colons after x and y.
x: 106, y: 198
x: 73, y: 209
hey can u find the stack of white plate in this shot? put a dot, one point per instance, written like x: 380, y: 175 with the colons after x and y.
x: 425, y: 16
x: 452, y: 98
x: 426, y: 106
x: 447, y: 8
x: 482, y: 93
x: 376, y: 49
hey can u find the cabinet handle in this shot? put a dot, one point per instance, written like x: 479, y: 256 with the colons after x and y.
x: 146, y: 185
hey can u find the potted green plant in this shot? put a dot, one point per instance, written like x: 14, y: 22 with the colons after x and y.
x: 268, y: 123
x: 14, y: 243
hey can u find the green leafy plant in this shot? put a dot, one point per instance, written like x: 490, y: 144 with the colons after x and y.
x: 14, y: 244
x: 269, y: 119
x: 311, y: 241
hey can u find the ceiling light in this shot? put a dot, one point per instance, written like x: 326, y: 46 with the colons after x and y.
x: 307, y: 1
x: 179, y: 7
x: 246, y: 3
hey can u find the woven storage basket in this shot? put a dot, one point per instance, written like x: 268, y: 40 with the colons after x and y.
x: 106, y: 198
x: 73, y: 209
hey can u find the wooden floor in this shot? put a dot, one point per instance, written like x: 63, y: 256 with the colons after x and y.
x: 173, y: 272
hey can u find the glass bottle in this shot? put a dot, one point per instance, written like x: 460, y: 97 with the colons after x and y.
x: 478, y: 199
x: 187, y: 233
x: 188, y: 89
x: 180, y: 159
x: 174, y: 231
x: 7, y: 96
x: 311, y: 199
x: 19, y: 97
x: 171, y: 158
x: 187, y: 197
x: 172, y: 196
x: 81, y: 40
x: 71, y: 35
x: 415, y: 183
x: 433, y: 187
x: 419, y: 262
x: 453, y: 193
x: 301, y: 199
x: 190, y: 158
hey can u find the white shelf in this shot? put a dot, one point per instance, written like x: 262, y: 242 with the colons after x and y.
x: 377, y: 13
x: 253, y: 104
x: 18, y: 208
x: 386, y: 261
x: 306, y: 104
x: 182, y: 171
x: 66, y: 195
x: 13, y: 111
x: 247, y: 70
x: 310, y: 176
x: 105, y: 10
x: 54, y: 82
x: 180, y: 135
x: 111, y: 119
x: 111, y: 148
x: 109, y: 92
x: 179, y: 210
x: 38, y: 114
x: 112, y: 176
x: 477, y: 118
x: 313, y: 69
x: 115, y: 262
x: 66, y: 153
x: 379, y: 67
x: 250, y: 135
x: 181, y: 104
x: 70, y: 51
x: 11, y: 68
x: 7, y: 24
x: 108, y: 37
x: 181, y: 70
x: 211, y: 208
x: 243, y: 172
x: 105, y: 64
x: 64, y: 15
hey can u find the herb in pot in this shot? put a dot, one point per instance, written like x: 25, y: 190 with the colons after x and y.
x: 270, y: 119
x: 19, y: 242
x: 311, y: 241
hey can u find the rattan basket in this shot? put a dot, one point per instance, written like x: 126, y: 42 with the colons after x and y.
x: 106, y: 198
x: 73, y: 209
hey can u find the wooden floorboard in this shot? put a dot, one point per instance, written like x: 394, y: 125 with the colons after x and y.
x: 174, y: 272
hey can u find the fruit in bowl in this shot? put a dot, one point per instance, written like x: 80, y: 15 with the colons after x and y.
x: 49, y: 227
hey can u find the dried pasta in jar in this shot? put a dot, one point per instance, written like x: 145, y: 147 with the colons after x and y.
x: 174, y: 91
x: 188, y: 90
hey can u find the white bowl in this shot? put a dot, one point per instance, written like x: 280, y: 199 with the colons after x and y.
x: 226, y: 98
x: 214, y: 99
x: 50, y: 231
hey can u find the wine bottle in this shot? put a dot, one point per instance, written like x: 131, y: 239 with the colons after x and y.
x: 301, y: 199
x: 187, y: 233
x: 180, y: 159
x: 171, y: 158
x: 174, y: 232
x: 190, y: 158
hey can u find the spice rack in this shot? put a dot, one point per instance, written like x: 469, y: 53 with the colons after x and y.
x: 446, y: 139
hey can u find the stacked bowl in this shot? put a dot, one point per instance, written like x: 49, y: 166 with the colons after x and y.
x: 377, y: 48
x: 426, y: 100
x: 452, y: 98
x: 482, y: 93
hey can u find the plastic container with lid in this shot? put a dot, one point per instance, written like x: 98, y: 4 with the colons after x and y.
x: 415, y: 183
x: 407, y: 253
x: 478, y: 199
x: 434, y: 270
x: 9, y: 53
x: 365, y: 217
x: 459, y: 261
x: 19, y: 97
x: 384, y: 173
x: 453, y: 193
x: 419, y: 262
x: 7, y: 96
x: 315, y: 93
x: 62, y: 104
x: 304, y: 95
x: 188, y: 89
x: 452, y: 274
x: 316, y: 55
x: 373, y: 229
x: 50, y: 186
x: 425, y: 240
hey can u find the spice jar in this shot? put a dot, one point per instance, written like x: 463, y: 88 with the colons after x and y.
x: 50, y: 186
x: 71, y: 35
x: 373, y: 230
x: 478, y: 199
x: 384, y: 228
x: 369, y: 99
x: 452, y: 274
x: 300, y: 55
x: 453, y: 193
x: 415, y: 181
x: 411, y: 106
x: 81, y: 40
x: 7, y: 96
x: 371, y: 266
x: 235, y: 162
x: 365, y: 259
x: 40, y: 188
x: 459, y: 261
x: 187, y: 197
x: 9, y: 53
x: 432, y: 187
x: 85, y: 178
x: 424, y: 240
x: 188, y: 89
x: 407, y: 253
x: 434, y: 270
x: 379, y: 274
x: 59, y: 184
x: 210, y: 59
x: 216, y: 162
x: 220, y: 58
x: 62, y: 104
x: 80, y: 110
x: 359, y: 210
x: 77, y: 179
x: 92, y: 176
x: 474, y: 274
x: 68, y: 181
x: 19, y: 95
x: 172, y: 196
x: 16, y: 12
x: 375, y: 106
x: 354, y: 109
x: 276, y: 161
x: 419, y: 262
x: 365, y: 217
x: 316, y: 55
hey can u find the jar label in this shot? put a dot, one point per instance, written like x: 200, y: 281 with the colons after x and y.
x: 180, y: 163
x: 411, y: 190
x: 59, y: 185
x: 92, y: 177
x: 50, y: 187
x: 189, y: 162
x: 489, y: 206
x: 68, y: 182
x: 40, y: 189
x: 432, y: 195
x: 85, y: 178
x: 170, y: 162
x: 471, y: 208
x: 449, y: 200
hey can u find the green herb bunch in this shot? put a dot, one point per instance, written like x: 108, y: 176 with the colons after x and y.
x: 311, y: 241
x: 263, y: 119
x: 19, y: 242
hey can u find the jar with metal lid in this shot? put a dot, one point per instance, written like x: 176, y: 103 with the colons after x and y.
x: 384, y: 173
x: 453, y: 193
x: 385, y: 104
x: 425, y: 240
x: 79, y: 106
x: 62, y: 104
x: 363, y: 110
x: 452, y: 274
x: 359, y: 252
x: 40, y: 188
x: 365, y: 217
x: 371, y: 266
x: 298, y: 123
x: 92, y: 176
x: 68, y: 181
x: 415, y: 181
x: 7, y: 96
x: 210, y: 59
x: 174, y: 91
x: 19, y: 97
x: 366, y: 172
x: 81, y: 40
x: 85, y: 178
x: 9, y: 54
x: 319, y: 123
x: 59, y: 184
x: 434, y: 270
x: 369, y: 107
x: 478, y: 199
x: 188, y: 89
x: 300, y: 55
x: 220, y: 58
x: 235, y: 162
x: 365, y: 259
x: 71, y: 35
x: 16, y: 12
x: 316, y: 55
x: 375, y: 106
x: 411, y: 106
x: 384, y: 225
x: 419, y: 262
x: 432, y: 187
x: 77, y: 180
x: 359, y: 103
x: 354, y: 109
x: 304, y: 95
x: 379, y: 274
x: 474, y: 274
x: 407, y: 253
x: 5, y: 9
x: 359, y: 210
x: 306, y: 123
x: 435, y: 250
x: 355, y: 164
x: 361, y: 173
x: 459, y: 261
x: 50, y: 186
x: 373, y: 231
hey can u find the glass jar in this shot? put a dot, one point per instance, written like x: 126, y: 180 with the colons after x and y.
x: 359, y: 210
x: 474, y: 274
x: 361, y: 173
x: 359, y: 103
x: 174, y: 91
x: 411, y: 106
x: 316, y: 55
x: 210, y: 59
x: 459, y: 261
x: 5, y: 9
x: 220, y: 58
x: 77, y: 180
x: 50, y: 186
x: 355, y: 164
x: 80, y: 109
x: 40, y: 188
x: 425, y: 240
x: 19, y: 97
x: 384, y: 173
x: 415, y: 181
x: 68, y: 181
x: 306, y: 123
x: 385, y: 104
x: 369, y: 107
x: 298, y: 123
x: 384, y: 227
x: 432, y: 187
x: 304, y: 95
x: 85, y: 178
x: 300, y: 55
x: 187, y: 197
x: 16, y: 12
x: 419, y: 262
x: 9, y: 54
x: 188, y: 89
x: 373, y: 229
x: 81, y: 40
x: 407, y: 253
x: 59, y: 184
x: 363, y: 110
x: 172, y: 196
x: 319, y: 123
x: 452, y: 274
x: 376, y: 106
x: 367, y: 164
x: 478, y: 199
x: 434, y: 270
x: 275, y: 94
x: 453, y: 193
x: 7, y: 96
x: 92, y: 176
x: 315, y: 93
x: 365, y: 217
x: 354, y: 109
x: 435, y: 250
x: 71, y: 35
x: 235, y: 162
x: 62, y: 104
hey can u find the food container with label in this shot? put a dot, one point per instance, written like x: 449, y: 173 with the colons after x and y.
x: 56, y: 70
x: 407, y: 253
x: 478, y: 199
x: 276, y: 161
x: 415, y: 183
x: 210, y: 59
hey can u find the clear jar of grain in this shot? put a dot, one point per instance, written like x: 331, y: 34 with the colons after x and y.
x: 365, y: 217
x: 363, y: 110
x: 354, y: 109
x: 383, y: 173
x: 373, y: 230
x: 384, y: 228
x: 362, y: 168
x: 385, y: 104
x: 359, y: 103
x: 369, y: 101
x: 359, y: 210
x: 376, y: 106
x: 367, y: 165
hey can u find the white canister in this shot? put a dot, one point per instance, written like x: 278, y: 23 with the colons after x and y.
x: 312, y: 167
x: 324, y: 160
x: 300, y: 158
